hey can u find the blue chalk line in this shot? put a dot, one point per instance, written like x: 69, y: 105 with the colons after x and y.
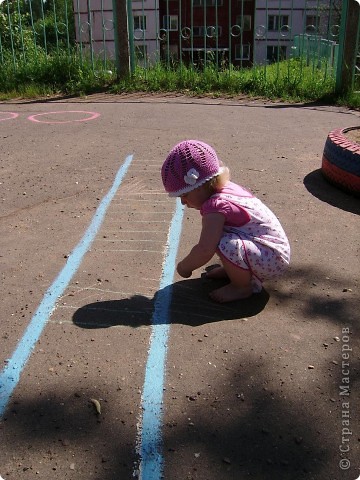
x: 10, y: 375
x: 150, y: 448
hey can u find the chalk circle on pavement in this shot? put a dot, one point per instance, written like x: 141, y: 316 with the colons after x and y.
x: 86, y: 116
x: 10, y: 117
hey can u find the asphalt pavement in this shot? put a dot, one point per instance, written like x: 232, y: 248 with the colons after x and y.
x: 113, y: 367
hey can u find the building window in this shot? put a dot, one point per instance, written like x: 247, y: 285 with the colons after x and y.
x: 210, y: 31
x: 312, y: 23
x: 244, y: 22
x: 198, y: 31
x: 170, y: 22
x: 139, y: 22
x: 242, y: 52
x: 275, y: 53
x: 276, y: 22
x: 209, y: 3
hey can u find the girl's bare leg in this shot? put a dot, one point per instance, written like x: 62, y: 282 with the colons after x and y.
x: 217, y: 272
x: 239, y: 286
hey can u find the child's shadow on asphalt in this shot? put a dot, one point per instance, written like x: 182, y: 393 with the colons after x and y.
x: 189, y: 305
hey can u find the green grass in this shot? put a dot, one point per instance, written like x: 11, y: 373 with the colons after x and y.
x: 288, y: 81
x: 41, y: 74
x: 352, y: 100
x: 62, y: 73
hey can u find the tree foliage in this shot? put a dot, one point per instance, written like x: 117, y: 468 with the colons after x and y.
x: 25, y: 24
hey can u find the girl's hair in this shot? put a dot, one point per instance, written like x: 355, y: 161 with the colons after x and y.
x: 217, y: 182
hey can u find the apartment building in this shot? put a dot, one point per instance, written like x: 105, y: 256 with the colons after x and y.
x: 242, y: 32
x: 95, y: 32
x: 94, y: 27
x: 278, y: 24
x: 197, y: 29
x: 146, y: 30
x: 161, y: 28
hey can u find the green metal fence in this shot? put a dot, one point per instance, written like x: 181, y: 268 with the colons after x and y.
x: 231, y: 34
x: 28, y: 26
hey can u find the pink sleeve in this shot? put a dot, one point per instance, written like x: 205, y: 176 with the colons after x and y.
x: 234, y: 214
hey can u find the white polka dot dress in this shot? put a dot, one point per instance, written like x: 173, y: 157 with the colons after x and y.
x: 259, y: 245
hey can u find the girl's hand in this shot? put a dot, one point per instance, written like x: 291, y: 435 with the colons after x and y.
x: 204, y: 250
x: 183, y: 272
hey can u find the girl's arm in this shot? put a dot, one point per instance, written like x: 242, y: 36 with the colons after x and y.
x: 204, y: 250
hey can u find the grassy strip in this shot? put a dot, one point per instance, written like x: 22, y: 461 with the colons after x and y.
x: 40, y: 75
x: 289, y: 81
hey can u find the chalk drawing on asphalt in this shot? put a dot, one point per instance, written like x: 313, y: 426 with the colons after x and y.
x: 36, y: 118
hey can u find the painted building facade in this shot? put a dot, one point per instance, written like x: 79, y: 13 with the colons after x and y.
x: 279, y: 23
x: 221, y: 28
x: 243, y: 32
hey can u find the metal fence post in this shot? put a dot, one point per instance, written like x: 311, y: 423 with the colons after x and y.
x: 348, y: 45
x: 131, y: 36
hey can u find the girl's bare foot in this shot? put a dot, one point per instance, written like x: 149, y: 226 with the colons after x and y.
x: 230, y: 293
x: 217, y: 272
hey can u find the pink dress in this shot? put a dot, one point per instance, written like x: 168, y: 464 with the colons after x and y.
x: 253, y: 238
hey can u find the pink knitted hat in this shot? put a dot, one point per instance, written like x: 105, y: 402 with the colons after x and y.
x: 189, y: 164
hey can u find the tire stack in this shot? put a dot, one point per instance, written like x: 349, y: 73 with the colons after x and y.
x: 341, y: 161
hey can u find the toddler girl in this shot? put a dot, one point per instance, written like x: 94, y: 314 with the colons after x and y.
x: 246, y: 235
